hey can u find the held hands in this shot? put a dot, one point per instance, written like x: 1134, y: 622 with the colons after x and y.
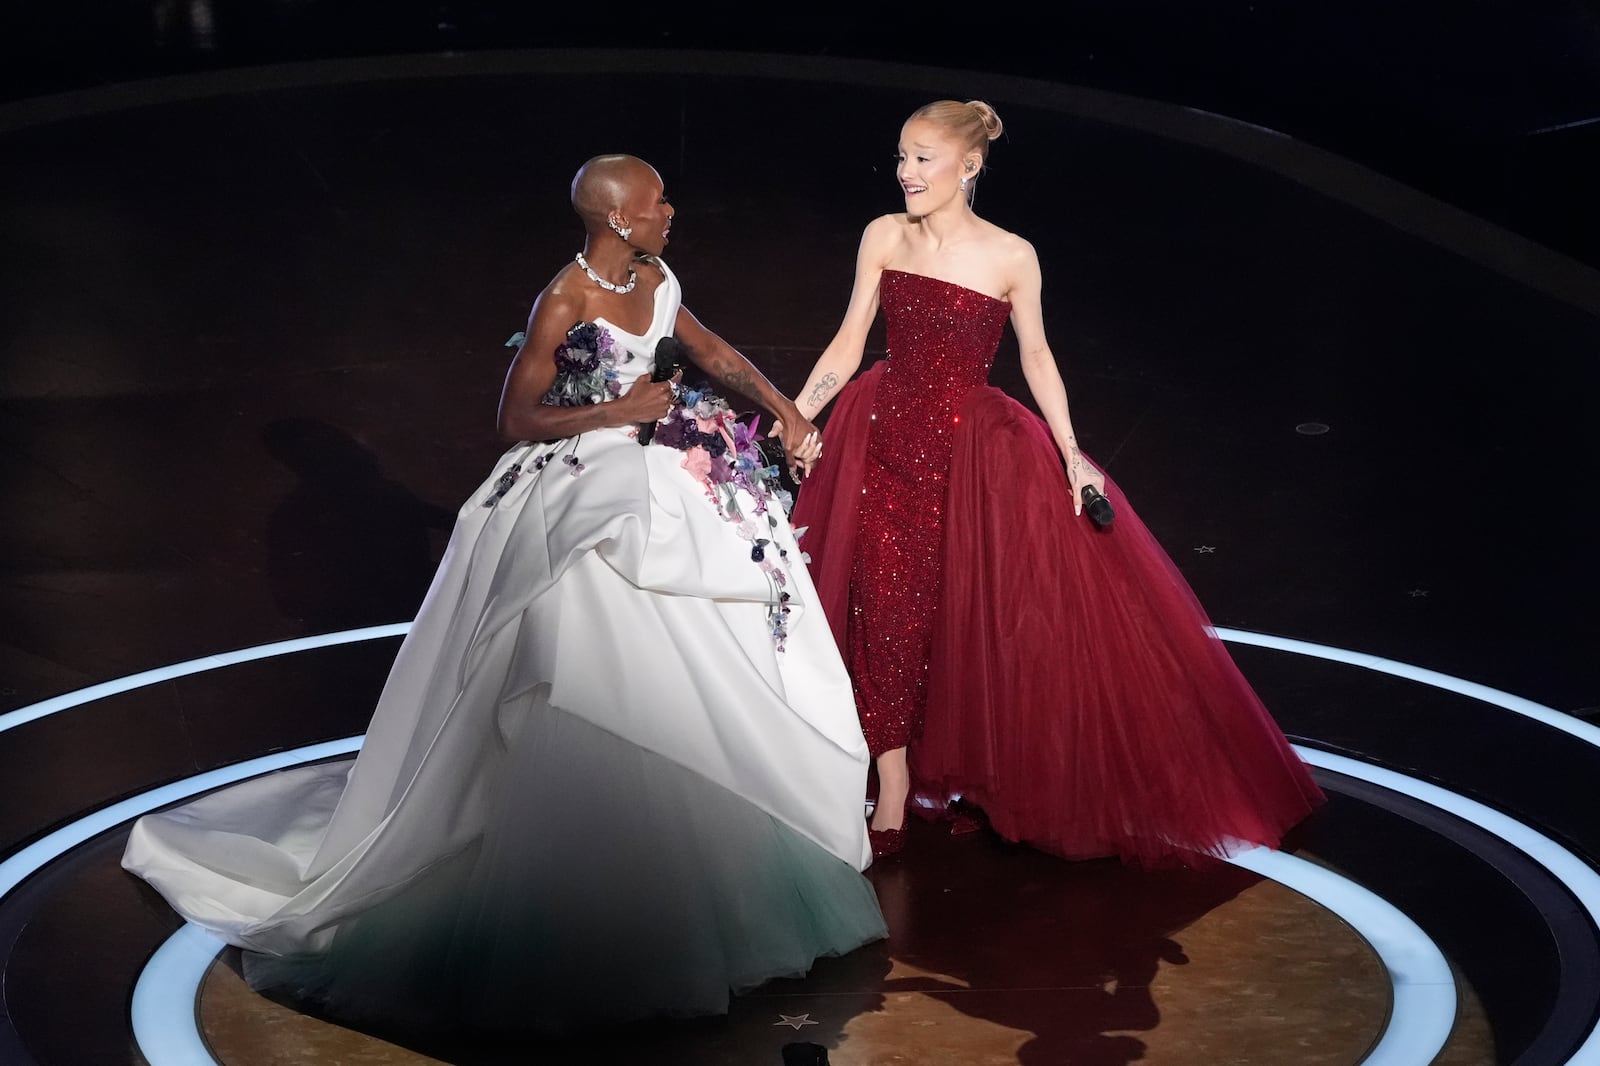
x: 646, y: 400
x: 802, y: 442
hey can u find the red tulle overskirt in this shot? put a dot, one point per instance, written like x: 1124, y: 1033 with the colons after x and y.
x: 1077, y: 693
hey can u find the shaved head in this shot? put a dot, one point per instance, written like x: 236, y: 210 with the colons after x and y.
x: 607, y: 182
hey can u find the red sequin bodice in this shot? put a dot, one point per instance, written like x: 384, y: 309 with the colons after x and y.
x: 942, y: 339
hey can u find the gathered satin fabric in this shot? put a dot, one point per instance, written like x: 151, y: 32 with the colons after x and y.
x: 600, y: 641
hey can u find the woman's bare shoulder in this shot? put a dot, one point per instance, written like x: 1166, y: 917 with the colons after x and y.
x: 1007, y: 246
x: 886, y: 229
x: 563, y: 291
x: 882, y: 237
x: 1012, y: 261
x: 892, y: 222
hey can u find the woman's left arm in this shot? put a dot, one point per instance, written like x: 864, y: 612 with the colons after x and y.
x: 728, y: 367
x: 1040, y: 370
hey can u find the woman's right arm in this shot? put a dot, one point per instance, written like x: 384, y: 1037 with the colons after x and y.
x: 523, y: 413
x: 842, y: 357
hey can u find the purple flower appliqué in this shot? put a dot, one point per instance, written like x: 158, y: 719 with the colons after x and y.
x: 586, y: 368
x: 724, y: 455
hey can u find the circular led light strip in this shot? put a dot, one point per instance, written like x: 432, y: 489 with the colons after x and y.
x: 1424, y: 993
x: 1423, y: 1010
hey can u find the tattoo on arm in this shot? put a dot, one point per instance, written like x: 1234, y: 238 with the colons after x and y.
x: 738, y: 379
x: 736, y: 374
x: 823, y: 387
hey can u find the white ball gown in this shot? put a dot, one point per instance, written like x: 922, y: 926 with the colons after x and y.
x: 615, y: 772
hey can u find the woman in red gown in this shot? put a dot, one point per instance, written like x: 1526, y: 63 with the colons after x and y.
x: 1063, y: 679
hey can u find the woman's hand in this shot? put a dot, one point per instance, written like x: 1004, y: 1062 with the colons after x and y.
x: 1079, y: 474
x: 645, y: 401
x: 802, y: 442
x: 806, y: 455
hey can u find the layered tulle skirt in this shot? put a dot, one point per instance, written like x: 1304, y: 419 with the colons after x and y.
x: 1077, y: 692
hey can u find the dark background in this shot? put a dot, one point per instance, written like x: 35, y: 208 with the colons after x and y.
x: 1492, y: 106
x: 251, y: 342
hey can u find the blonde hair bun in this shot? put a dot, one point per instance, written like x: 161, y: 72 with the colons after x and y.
x: 991, y: 120
x: 972, y: 124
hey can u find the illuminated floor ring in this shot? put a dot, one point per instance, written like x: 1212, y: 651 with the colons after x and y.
x: 1424, y: 996
x: 66, y: 701
x: 18, y: 867
x: 1577, y: 876
x: 1590, y: 734
x: 1412, y: 983
x: 1577, y: 727
x: 1422, y: 1011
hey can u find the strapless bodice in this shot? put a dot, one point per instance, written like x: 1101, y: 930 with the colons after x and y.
x: 942, y: 339
x: 939, y: 331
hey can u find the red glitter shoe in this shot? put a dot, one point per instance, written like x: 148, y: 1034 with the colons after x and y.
x: 886, y: 842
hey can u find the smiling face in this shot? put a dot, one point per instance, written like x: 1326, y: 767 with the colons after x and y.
x: 931, y: 166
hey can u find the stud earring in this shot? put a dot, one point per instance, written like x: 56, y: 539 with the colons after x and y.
x: 622, y: 231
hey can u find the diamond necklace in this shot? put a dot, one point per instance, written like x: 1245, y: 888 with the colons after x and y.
x: 620, y: 290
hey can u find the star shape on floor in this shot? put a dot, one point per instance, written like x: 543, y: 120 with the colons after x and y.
x: 795, y: 1020
x: 1417, y: 593
x: 1206, y: 549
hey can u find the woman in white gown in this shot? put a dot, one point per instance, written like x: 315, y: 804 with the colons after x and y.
x: 616, y: 769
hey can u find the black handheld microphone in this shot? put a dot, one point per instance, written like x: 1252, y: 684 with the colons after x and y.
x: 669, y: 360
x: 1098, y: 507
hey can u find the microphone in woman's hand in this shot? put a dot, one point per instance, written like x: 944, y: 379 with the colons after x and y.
x: 1098, y: 507
x: 669, y: 360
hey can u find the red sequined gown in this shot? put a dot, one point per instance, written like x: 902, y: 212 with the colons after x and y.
x: 1063, y: 679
